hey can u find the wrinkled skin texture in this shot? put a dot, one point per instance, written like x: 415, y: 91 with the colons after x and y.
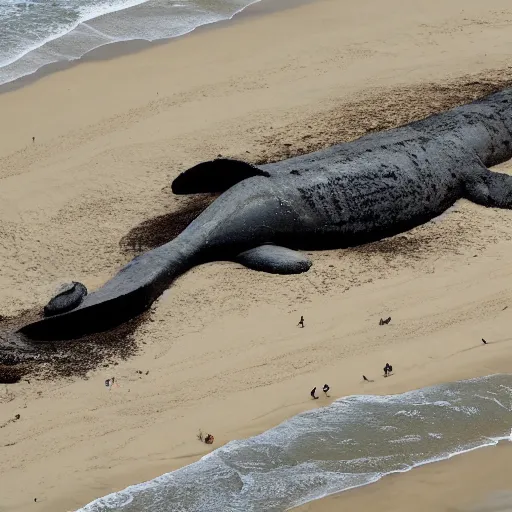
x: 352, y: 193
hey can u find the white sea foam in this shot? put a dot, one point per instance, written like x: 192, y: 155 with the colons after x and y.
x: 84, y: 13
x: 34, y: 34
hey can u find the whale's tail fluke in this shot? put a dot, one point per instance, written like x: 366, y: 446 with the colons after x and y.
x: 128, y: 294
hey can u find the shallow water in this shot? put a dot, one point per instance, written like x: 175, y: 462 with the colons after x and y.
x: 353, y: 442
x: 38, y: 32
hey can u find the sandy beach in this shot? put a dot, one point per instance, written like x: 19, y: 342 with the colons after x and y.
x: 221, y: 350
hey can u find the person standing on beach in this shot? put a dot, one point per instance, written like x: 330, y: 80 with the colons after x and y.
x: 313, y: 391
x: 301, y: 322
x: 325, y: 389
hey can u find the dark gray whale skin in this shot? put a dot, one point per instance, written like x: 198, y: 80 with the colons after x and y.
x: 379, y: 185
x: 66, y: 300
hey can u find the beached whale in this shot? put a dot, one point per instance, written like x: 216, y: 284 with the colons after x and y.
x: 379, y: 185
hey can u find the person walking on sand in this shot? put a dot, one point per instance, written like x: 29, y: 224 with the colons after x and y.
x: 313, y: 391
x: 301, y: 322
x: 325, y: 389
x: 387, y: 369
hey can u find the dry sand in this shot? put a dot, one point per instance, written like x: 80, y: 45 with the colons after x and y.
x: 222, y: 349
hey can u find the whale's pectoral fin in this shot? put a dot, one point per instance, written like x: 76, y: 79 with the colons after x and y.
x: 214, y: 176
x: 275, y: 260
x: 490, y: 188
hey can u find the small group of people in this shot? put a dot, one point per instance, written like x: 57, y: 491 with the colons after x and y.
x: 388, y: 369
x: 325, y: 389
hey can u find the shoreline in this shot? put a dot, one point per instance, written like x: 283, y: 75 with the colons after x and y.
x: 114, y: 50
x: 321, y: 501
x: 332, y: 498
x: 221, y: 348
x: 467, y: 491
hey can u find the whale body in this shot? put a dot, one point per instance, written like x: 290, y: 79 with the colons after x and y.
x: 379, y: 185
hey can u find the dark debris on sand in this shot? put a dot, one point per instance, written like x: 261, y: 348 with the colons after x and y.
x: 20, y: 357
x: 377, y: 110
x: 164, y: 228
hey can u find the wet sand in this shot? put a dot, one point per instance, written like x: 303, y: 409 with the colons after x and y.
x: 478, y: 481
x: 221, y: 347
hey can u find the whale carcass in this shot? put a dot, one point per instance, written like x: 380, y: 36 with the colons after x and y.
x: 379, y: 185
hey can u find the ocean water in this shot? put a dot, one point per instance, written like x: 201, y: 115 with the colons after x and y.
x: 353, y: 442
x: 38, y: 32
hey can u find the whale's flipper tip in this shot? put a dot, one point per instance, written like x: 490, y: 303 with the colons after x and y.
x: 214, y: 176
x: 275, y: 260
x: 489, y: 188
